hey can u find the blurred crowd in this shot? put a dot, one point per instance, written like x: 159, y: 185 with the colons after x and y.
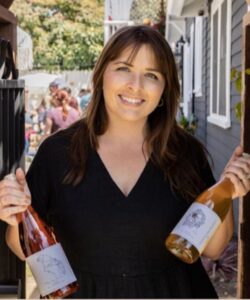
x: 57, y: 111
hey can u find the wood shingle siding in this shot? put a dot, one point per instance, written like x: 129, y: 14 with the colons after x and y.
x: 220, y: 142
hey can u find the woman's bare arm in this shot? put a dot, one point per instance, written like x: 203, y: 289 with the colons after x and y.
x: 221, y: 237
x: 12, y: 240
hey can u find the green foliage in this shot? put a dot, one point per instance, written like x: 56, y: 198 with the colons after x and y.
x: 66, y: 34
x: 237, y: 110
x: 189, y: 125
x: 235, y: 76
x: 150, y: 12
x: 147, y: 9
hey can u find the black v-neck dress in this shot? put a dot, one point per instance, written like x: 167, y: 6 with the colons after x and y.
x: 115, y: 243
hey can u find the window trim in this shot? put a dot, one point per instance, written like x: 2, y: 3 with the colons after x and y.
x: 187, y: 77
x: 215, y: 118
x: 198, y: 28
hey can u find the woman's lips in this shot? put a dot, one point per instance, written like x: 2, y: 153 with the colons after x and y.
x: 131, y: 101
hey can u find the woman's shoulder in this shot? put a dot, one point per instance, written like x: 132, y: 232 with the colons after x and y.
x: 74, y: 111
x: 51, y: 112
x: 55, y: 144
x: 189, y: 141
x: 56, y: 140
x: 57, y: 148
x: 63, y: 137
x: 192, y: 149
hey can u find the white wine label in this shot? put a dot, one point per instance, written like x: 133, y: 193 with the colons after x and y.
x: 51, y: 269
x: 197, y: 225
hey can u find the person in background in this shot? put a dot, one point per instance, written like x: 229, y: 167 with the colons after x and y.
x: 72, y: 100
x: 84, y: 98
x: 115, y: 183
x: 61, y: 116
x: 53, y: 88
x: 80, y: 94
x: 42, y: 114
x: 29, y: 122
x: 28, y: 130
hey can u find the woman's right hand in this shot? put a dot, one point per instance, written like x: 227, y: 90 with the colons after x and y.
x: 13, y: 197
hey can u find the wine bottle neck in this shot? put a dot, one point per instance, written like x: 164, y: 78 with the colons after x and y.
x: 227, y: 185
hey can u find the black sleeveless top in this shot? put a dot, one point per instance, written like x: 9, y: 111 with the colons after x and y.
x: 115, y: 243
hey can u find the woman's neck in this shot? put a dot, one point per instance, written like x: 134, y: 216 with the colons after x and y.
x: 125, y: 133
x: 61, y: 106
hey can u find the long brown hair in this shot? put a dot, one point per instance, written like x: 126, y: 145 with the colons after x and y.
x: 167, y: 142
x: 62, y: 98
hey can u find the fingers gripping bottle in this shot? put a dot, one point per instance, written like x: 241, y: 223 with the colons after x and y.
x: 193, y: 232
x: 44, y: 255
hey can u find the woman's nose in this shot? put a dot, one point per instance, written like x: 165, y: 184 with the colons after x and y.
x: 136, y: 82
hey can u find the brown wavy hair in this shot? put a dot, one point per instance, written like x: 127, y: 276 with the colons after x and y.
x: 62, y: 98
x: 168, y: 143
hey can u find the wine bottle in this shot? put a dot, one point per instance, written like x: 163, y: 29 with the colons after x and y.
x: 193, y: 232
x: 44, y: 255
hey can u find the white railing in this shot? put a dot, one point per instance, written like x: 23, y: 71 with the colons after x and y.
x: 110, y: 27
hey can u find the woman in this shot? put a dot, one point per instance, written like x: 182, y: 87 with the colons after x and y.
x: 72, y: 100
x: 62, y: 115
x: 115, y: 183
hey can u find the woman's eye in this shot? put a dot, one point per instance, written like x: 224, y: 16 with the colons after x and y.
x: 125, y: 69
x: 152, y: 76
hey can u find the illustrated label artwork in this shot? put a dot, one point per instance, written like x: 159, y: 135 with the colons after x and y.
x: 197, y: 225
x: 51, y: 269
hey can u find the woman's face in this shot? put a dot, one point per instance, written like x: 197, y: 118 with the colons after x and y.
x: 132, y: 90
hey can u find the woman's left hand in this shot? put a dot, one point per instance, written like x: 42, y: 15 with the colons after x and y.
x: 238, y: 171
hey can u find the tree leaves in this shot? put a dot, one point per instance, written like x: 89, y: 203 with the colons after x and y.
x: 66, y: 34
x: 237, y: 109
x: 248, y: 71
x: 234, y: 74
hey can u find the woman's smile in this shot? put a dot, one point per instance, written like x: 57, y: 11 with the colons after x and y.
x: 133, y: 102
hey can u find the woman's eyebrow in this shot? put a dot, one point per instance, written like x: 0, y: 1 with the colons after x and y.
x: 123, y: 62
x: 153, y: 70
x: 128, y: 64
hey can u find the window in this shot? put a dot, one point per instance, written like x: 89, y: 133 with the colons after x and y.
x: 220, y: 63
